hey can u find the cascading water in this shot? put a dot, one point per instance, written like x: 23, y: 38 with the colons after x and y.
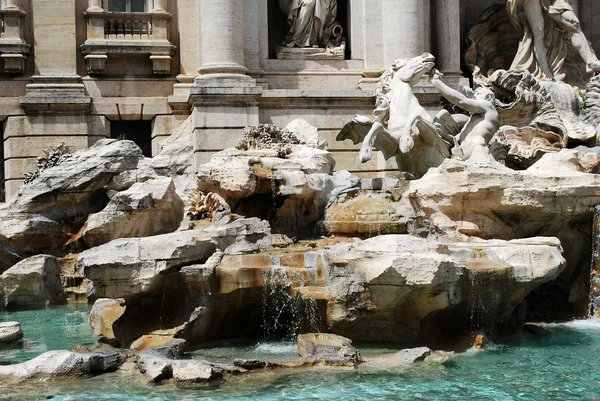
x: 285, y: 313
x: 486, y: 284
x: 594, y: 303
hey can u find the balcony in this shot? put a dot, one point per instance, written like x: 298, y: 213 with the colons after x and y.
x: 127, y: 33
x: 13, y: 48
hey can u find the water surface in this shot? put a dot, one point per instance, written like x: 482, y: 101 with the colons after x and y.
x: 560, y: 366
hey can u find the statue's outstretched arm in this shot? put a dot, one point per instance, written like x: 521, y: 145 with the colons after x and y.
x: 455, y: 97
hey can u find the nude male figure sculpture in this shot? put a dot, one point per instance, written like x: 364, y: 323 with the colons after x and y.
x: 482, y: 123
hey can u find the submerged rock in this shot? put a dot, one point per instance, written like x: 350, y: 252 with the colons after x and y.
x: 33, y: 281
x: 327, y: 349
x: 10, y: 332
x: 62, y: 364
x: 162, y: 363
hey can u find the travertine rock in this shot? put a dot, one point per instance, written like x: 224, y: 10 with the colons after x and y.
x: 162, y: 363
x: 327, y: 349
x: 290, y: 192
x: 145, y: 209
x: 130, y: 266
x: 33, y: 281
x: 10, y: 332
x: 54, y: 206
x: 104, y: 313
x: 401, y: 288
x: 61, y: 364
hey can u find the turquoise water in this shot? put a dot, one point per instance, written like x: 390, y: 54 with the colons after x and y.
x: 51, y: 328
x: 561, y: 366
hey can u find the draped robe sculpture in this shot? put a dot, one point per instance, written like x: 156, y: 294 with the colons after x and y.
x: 547, y: 25
x: 311, y: 22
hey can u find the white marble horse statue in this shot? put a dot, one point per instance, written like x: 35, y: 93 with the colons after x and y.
x: 401, y: 127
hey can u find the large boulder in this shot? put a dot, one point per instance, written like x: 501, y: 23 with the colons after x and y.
x: 49, y: 210
x: 10, y: 332
x: 400, y: 288
x: 145, y: 209
x: 290, y: 191
x: 33, y: 281
x: 127, y: 267
x: 327, y: 349
x: 62, y: 364
x: 552, y: 198
x: 158, y: 364
x: 166, y: 281
x: 104, y: 313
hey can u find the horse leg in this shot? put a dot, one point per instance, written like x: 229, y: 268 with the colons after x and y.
x: 366, y: 149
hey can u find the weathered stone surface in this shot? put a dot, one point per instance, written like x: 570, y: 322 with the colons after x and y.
x: 145, y: 342
x: 10, y: 332
x: 103, y: 314
x: 189, y: 372
x: 52, y: 208
x: 291, y: 192
x: 125, y: 267
x: 306, y: 133
x: 401, y: 288
x: 327, y: 349
x: 162, y: 363
x: 176, y: 158
x: 250, y: 364
x: 145, y: 209
x: 61, y: 364
x: 33, y: 281
x: 400, y: 360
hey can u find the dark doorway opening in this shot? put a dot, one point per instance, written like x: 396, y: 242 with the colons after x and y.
x: 139, y: 132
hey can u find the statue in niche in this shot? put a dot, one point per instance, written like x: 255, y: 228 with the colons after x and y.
x: 403, y: 129
x: 547, y: 25
x: 312, y: 25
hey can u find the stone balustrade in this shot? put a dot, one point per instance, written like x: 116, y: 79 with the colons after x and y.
x: 127, y: 33
x: 129, y: 26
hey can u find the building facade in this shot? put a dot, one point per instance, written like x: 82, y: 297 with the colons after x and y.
x: 76, y: 71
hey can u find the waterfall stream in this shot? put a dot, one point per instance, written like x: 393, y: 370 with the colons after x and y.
x: 594, y: 302
x: 285, y: 313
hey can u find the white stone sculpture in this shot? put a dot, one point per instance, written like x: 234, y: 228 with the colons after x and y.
x: 483, y: 122
x: 310, y: 21
x: 546, y: 27
x: 402, y: 127
x: 313, y: 30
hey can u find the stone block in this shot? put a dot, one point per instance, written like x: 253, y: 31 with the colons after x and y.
x: 216, y: 139
x: 34, y: 146
x: 225, y: 116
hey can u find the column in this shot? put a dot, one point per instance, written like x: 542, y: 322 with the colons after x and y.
x: 448, y: 36
x: 159, y: 6
x: 95, y: 6
x: 11, y: 5
x: 224, y: 99
x: 404, y: 29
x: 222, y: 36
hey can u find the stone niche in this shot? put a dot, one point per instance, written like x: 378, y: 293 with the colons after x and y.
x: 278, y: 30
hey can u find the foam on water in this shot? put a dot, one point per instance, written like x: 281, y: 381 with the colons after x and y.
x: 276, y: 348
x: 580, y: 325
